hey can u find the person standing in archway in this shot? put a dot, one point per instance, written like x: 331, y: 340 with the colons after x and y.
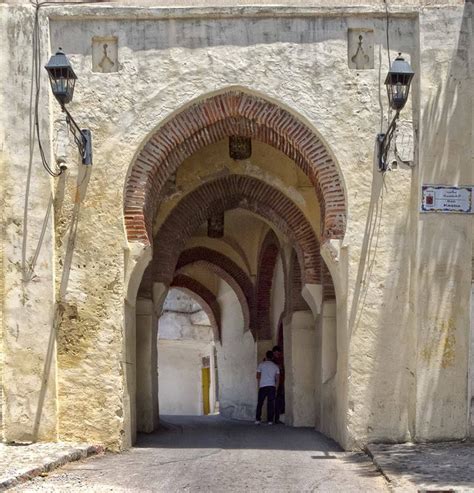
x: 268, y: 376
x: 280, y: 395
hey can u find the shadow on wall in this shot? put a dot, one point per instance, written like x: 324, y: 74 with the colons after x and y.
x: 60, y: 307
x: 444, y: 325
x: 398, y: 398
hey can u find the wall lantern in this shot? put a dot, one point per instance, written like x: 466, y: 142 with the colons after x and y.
x: 398, y: 82
x: 63, y: 80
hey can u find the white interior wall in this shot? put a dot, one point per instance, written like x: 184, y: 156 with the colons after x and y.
x: 179, y: 370
x: 236, y: 360
x: 185, y: 337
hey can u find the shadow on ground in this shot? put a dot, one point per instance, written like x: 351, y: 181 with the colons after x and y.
x: 440, y: 465
x: 218, y: 432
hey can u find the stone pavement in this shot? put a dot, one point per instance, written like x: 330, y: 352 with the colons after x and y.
x: 19, y: 463
x: 447, y: 466
x: 213, y: 454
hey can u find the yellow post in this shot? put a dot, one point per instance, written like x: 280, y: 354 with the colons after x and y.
x: 206, y: 385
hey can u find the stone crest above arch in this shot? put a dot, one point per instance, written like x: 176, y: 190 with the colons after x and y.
x: 207, y: 121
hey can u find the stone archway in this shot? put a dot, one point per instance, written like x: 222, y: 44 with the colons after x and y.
x: 229, y: 271
x: 267, y: 261
x: 233, y: 112
x: 231, y: 192
x: 204, y: 297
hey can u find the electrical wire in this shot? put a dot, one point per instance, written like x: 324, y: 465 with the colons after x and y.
x: 36, y: 88
x: 387, y: 35
x: 387, y: 19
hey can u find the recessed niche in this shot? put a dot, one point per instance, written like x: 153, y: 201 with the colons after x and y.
x: 105, y: 54
x: 360, y: 44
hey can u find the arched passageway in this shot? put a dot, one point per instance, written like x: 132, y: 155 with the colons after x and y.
x: 242, y: 235
x: 187, y: 334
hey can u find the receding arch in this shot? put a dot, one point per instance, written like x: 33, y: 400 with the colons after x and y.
x: 229, y: 271
x: 295, y: 285
x: 204, y: 297
x: 225, y: 276
x: 329, y: 291
x: 268, y: 256
x: 231, y: 192
x: 233, y: 112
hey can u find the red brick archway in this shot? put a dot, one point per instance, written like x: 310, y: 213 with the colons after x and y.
x: 229, y: 271
x: 266, y: 267
x: 231, y: 192
x: 204, y: 297
x: 225, y: 276
x: 210, y: 120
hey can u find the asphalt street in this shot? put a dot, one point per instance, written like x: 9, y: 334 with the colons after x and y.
x: 213, y: 454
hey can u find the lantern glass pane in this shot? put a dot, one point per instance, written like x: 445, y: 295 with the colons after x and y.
x: 62, y: 84
x: 397, y: 90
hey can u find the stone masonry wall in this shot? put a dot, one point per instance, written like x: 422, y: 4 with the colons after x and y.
x: 402, y: 317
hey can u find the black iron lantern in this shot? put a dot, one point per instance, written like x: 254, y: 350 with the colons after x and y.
x: 398, y: 83
x: 63, y: 80
x: 61, y: 77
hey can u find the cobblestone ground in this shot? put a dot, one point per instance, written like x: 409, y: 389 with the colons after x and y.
x: 431, y: 467
x: 217, y: 455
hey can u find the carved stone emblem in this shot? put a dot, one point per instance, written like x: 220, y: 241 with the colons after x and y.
x: 240, y: 147
x: 105, y: 54
x: 361, y: 49
x: 215, y: 226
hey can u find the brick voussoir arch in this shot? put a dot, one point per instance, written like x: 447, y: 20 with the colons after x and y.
x: 204, y: 297
x: 266, y: 267
x: 230, y: 192
x: 205, y: 122
x: 225, y: 276
x: 229, y: 271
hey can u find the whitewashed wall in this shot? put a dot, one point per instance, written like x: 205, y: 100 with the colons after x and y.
x: 404, y: 289
x: 236, y: 360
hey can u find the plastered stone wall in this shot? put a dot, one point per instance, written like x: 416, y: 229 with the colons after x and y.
x: 236, y: 361
x: 185, y: 337
x: 401, y: 279
x: 443, y: 274
x: 29, y: 407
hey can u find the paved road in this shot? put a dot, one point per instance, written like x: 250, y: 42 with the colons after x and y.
x: 218, y: 455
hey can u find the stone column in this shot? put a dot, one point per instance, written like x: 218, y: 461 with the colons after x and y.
x: 328, y: 325
x: 300, y: 364
x: 147, y: 366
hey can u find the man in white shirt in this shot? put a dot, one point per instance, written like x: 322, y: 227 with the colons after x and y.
x: 268, y: 376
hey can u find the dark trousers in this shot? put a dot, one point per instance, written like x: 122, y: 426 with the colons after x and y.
x: 269, y: 394
x: 279, y: 403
